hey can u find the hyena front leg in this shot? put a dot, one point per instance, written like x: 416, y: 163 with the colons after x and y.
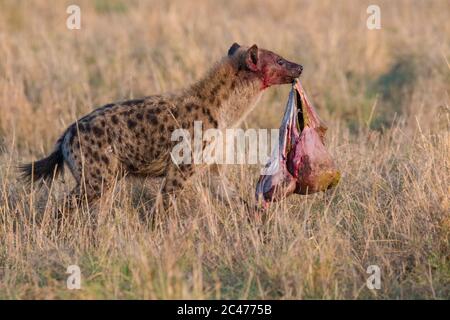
x: 221, y: 188
x: 174, y: 182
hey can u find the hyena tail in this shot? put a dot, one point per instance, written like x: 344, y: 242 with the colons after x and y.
x: 46, y: 168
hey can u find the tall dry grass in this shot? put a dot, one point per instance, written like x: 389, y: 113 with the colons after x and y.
x: 384, y: 95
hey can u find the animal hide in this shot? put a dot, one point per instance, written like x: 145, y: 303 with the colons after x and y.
x: 301, y: 164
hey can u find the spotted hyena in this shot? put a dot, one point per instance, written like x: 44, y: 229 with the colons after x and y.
x: 134, y: 137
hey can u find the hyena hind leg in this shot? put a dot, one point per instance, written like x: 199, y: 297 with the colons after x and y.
x: 95, y: 179
x: 80, y: 197
x: 86, y: 200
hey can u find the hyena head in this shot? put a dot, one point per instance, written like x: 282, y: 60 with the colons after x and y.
x: 269, y: 67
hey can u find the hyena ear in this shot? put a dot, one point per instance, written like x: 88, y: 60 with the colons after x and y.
x: 251, y: 58
x: 233, y: 49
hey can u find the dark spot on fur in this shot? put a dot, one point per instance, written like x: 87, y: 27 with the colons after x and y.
x: 132, y: 168
x: 96, y: 156
x: 152, y: 118
x: 176, y: 184
x: 131, y: 123
x: 114, y: 119
x: 233, y: 85
x: 210, y: 117
x: 139, y: 116
x: 98, y: 131
x: 215, y: 89
x: 192, y: 106
x: 185, y: 168
x: 84, y: 127
x: 199, y: 95
x: 105, y: 159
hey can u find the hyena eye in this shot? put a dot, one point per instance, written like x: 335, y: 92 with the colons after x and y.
x: 280, y: 62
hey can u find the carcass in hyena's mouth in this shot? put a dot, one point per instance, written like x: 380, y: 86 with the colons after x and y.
x: 301, y: 164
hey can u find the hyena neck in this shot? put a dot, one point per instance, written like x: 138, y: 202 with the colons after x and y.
x: 229, y: 92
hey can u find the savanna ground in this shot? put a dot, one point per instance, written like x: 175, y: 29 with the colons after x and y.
x: 383, y: 93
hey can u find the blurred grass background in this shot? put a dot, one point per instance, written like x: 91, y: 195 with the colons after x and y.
x: 383, y: 93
